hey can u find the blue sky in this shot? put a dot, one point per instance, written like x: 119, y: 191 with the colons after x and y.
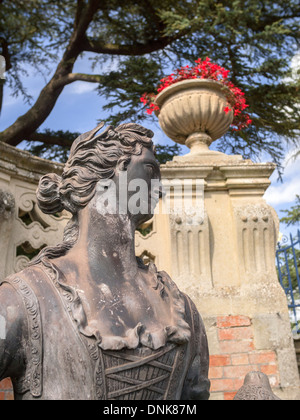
x: 80, y: 107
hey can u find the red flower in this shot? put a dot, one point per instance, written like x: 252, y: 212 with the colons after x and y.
x: 205, y: 69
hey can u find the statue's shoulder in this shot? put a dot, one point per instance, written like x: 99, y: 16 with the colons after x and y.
x: 184, y: 303
x: 17, y: 293
x: 21, y: 331
x: 11, y: 309
x: 22, y: 279
x: 9, y: 296
x: 13, y: 328
x: 190, y: 307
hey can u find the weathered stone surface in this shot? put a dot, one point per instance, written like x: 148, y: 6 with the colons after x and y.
x: 237, y: 260
x: 192, y: 112
x: 256, y: 388
x: 22, y: 224
x: 240, y: 231
x: 87, y: 319
x: 7, y: 212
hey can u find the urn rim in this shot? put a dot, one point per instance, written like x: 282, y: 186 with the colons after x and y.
x: 187, y: 84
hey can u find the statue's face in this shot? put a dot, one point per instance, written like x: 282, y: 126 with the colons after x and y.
x: 144, y: 188
x: 134, y: 192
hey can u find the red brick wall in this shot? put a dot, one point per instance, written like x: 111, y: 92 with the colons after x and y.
x: 237, y: 357
x: 6, y: 390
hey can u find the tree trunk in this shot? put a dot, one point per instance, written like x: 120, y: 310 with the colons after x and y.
x: 1, y: 94
x: 31, y: 121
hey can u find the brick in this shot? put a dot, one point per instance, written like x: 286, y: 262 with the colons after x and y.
x: 240, y: 359
x: 238, y: 383
x: 236, y: 346
x: 269, y: 369
x: 229, y: 396
x: 5, y: 384
x: 215, y: 372
x: 219, y: 360
x: 263, y: 357
x: 2, y: 396
x: 237, y: 371
x: 9, y: 396
x: 233, y: 321
x: 222, y: 385
x: 238, y: 333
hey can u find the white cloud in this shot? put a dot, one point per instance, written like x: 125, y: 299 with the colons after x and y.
x: 296, y: 65
x: 79, y: 88
x: 285, y: 192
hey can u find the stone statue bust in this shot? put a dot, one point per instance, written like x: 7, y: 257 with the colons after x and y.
x: 87, y: 319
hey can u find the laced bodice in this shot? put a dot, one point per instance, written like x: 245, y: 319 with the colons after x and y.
x: 66, y: 358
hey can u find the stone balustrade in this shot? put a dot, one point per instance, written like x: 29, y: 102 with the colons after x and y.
x: 223, y: 257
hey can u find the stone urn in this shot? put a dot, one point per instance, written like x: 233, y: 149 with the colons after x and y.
x: 192, y: 113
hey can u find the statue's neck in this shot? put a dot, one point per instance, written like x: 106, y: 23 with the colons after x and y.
x: 105, y: 250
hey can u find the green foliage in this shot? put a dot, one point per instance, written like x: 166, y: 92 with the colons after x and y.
x: 254, y: 39
x: 293, y: 214
x: 58, y: 152
x: 28, y: 30
x: 165, y: 153
x: 28, y: 251
x: 46, y: 151
x: 289, y: 260
x: 124, y: 87
x: 288, y: 270
x: 135, y: 43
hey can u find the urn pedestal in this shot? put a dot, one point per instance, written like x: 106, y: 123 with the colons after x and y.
x: 192, y: 112
x: 226, y: 260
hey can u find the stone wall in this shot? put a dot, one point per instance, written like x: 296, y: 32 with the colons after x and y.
x: 237, y: 355
x: 23, y: 228
x: 225, y: 261
x: 297, y: 348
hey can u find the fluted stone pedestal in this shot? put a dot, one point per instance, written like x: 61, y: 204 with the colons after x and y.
x: 225, y: 261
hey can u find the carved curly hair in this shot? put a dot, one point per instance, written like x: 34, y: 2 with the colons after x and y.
x: 92, y: 157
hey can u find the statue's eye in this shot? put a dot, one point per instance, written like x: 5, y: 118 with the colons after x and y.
x: 150, y: 168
